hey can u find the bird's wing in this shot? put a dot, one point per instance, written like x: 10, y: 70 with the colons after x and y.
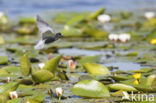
x: 44, y: 27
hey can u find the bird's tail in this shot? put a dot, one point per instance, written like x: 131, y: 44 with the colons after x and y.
x: 40, y: 45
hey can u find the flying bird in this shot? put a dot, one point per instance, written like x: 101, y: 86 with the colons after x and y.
x: 47, y: 33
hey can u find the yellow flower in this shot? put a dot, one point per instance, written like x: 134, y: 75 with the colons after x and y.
x: 136, y: 82
x: 153, y: 41
x: 137, y: 75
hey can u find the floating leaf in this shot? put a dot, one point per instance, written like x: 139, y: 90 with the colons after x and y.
x: 89, y: 59
x: 70, y: 31
x: 41, y: 76
x: 90, y: 88
x: 25, y: 65
x: 3, y: 98
x: 12, y: 69
x: 52, y: 64
x: 142, y: 70
x: 151, y: 80
x: 8, y: 87
x: 3, y: 71
x: 141, y: 86
x: 23, y: 21
x: 124, y: 87
x: 18, y: 100
x: 121, y: 77
x: 96, y: 69
x: 1, y: 40
x: 118, y: 93
x: 95, y: 14
x: 3, y: 59
x: 132, y: 54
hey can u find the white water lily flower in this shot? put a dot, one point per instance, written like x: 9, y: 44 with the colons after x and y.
x: 59, y: 92
x: 1, y: 14
x: 71, y: 64
x: 41, y: 65
x: 13, y: 95
x: 103, y: 18
x: 113, y: 37
x: 124, y: 37
x: 8, y: 79
x: 149, y: 15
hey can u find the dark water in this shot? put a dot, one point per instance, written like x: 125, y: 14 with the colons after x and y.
x: 15, y: 8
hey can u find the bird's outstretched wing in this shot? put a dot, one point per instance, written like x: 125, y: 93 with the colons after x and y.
x: 44, y: 27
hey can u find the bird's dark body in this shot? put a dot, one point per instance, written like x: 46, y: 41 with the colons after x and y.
x: 49, y: 39
x: 48, y: 35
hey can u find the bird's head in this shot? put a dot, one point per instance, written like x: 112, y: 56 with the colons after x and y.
x: 58, y: 35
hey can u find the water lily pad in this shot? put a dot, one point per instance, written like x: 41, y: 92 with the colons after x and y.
x: 1, y: 40
x: 8, y: 87
x: 25, y: 65
x: 23, y: 21
x: 96, y: 69
x: 141, y: 86
x: 142, y: 70
x: 95, y: 14
x: 52, y: 64
x: 41, y: 76
x: 3, y: 59
x: 90, y: 88
x: 70, y: 31
x: 89, y: 59
x: 12, y: 69
x: 18, y: 100
x: 151, y: 80
x: 124, y: 87
x: 3, y: 71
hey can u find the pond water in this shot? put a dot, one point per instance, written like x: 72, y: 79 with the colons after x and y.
x: 32, y: 7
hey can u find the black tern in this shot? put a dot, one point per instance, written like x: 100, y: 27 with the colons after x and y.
x: 47, y: 33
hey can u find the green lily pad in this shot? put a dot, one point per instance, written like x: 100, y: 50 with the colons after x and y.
x: 70, y: 31
x: 124, y: 87
x: 23, y: 21
x: 141, y: 86
x: 89, y: 59
x: 90, y: 88
x: 96, y: 14
x: 8, y: 87
x: 151, y: 80
x: 132, y: 54
x: 3, y: 59
x: 96, y: 69
x: 142, y: 70
x: 25, y: 65
x: 121, y: 77
x: 3, y: 98
x: 1, y: 40
x: 18, y: 100
x: 52, y: 64
x: 3, y: 71
x: 12, y: 69
x: 41, y: 76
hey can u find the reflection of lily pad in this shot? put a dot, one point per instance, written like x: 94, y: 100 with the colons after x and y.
x: 90, y: 88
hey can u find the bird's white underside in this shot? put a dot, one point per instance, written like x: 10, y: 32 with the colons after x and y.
x: 40, y: 45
